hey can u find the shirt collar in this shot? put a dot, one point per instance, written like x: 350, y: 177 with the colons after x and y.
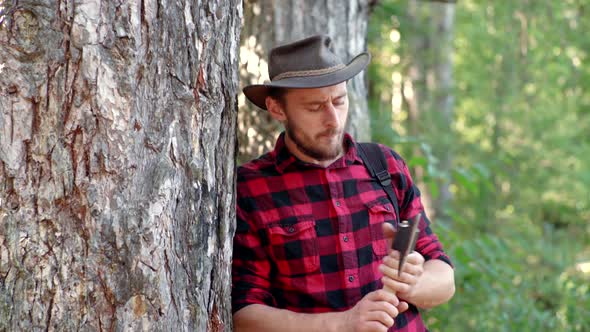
x: 285, y: 159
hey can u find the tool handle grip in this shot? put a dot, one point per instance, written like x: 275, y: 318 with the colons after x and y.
x: 388, y: 289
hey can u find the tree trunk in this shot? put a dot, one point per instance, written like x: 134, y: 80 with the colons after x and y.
x: 416, y: 88
x: 270, y: 23
x: 117, y: 123
x: 443, y: 102
x: 430, y: 102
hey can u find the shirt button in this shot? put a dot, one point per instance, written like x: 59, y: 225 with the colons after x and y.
x: 345, y: 238
x: 387, y: 207
x: 338, y: 203
x: 291, y: 229
x: 351, y: 278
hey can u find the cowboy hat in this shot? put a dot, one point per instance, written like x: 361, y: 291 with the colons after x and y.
x: 306, y: 63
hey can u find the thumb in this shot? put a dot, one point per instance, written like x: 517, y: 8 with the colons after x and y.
x: 388, y: 233
x: 402, y: 306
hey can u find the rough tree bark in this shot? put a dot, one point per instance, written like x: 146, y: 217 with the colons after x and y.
x: 269, y: 23
x: 117, y: 147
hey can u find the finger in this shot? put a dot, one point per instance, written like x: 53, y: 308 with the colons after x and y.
x: 373, y: 326
x: 409, y: 266
x: 402, y: 306
x: 395, y: 285
x: 381, y: 317
x: 395, y: 254
x: 415, y: 258
x: 382, y: 295
x: 387, y: 307
x: 412, y: 269
x: 403, y: 277
x: 391, y: 262
x: 389, y: 270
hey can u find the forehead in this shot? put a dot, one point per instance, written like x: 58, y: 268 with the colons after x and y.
x: 304, y: 95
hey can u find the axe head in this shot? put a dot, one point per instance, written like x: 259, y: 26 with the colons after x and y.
x: 405, y: 238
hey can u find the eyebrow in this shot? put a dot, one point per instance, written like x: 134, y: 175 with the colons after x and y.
x: 319, y: 102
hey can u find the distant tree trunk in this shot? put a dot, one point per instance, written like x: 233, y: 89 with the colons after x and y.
x: 117, y: 139
x: 430, y: 101
x: 443, y: 102
x: 270, y: 23
x: 416, y: 87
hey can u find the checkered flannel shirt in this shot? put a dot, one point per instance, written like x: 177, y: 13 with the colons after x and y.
x: 309, y: 238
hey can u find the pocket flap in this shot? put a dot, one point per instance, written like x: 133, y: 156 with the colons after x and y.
x: 291, y: 229
x: 380, y: 207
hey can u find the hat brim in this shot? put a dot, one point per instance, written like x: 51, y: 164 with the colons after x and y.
x: 257, y: 93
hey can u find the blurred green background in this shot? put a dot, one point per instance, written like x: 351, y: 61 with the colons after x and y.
x: 489, y: 102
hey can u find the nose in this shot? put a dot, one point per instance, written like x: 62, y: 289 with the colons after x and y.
x: 331, y: 118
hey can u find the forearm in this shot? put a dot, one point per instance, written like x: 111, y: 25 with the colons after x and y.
x: 435, y: 286
x: 261, y: 318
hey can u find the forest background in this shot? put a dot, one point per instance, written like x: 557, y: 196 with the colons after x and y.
x: 514, y: 152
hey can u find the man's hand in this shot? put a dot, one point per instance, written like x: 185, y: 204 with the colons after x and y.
x: 424, y: 284
x: 374, y: 312
x: 402, y: 284
x: 405, y: 283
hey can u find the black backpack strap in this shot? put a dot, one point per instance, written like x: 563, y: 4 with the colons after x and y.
x: 375, y: 161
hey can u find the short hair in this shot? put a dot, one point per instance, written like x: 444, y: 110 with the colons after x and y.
x: 278, y: 94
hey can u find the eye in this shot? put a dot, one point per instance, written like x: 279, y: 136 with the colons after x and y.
x: 314, y: 108
x: 339, y: 101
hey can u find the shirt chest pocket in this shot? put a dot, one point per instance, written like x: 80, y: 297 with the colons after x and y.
x: 294, y: 247
x: 380, y: 213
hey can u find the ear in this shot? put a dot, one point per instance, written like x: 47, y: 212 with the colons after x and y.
x: 275, y: 109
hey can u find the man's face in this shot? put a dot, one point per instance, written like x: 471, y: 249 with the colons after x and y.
x: 315, y: 119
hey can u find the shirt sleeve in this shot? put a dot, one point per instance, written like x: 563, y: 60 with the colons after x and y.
x: 251, y: 265
x: 408, y: 195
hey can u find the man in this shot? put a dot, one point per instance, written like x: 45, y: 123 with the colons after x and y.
x: 311, y: 244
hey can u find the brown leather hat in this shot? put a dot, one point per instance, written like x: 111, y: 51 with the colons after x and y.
x: 307, y: 63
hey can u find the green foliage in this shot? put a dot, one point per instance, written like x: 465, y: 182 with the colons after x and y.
x: 519, y: 149
x: 514, y: 282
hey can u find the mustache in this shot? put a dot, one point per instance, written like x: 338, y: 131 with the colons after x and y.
x: 329, y: 132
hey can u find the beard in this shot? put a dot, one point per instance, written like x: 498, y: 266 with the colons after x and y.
x: 312, y: 146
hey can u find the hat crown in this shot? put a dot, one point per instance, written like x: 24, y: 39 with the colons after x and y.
x: 305, y: 64
x: 311, y: 55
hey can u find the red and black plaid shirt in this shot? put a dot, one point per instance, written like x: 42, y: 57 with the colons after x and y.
x: 309, y: 238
